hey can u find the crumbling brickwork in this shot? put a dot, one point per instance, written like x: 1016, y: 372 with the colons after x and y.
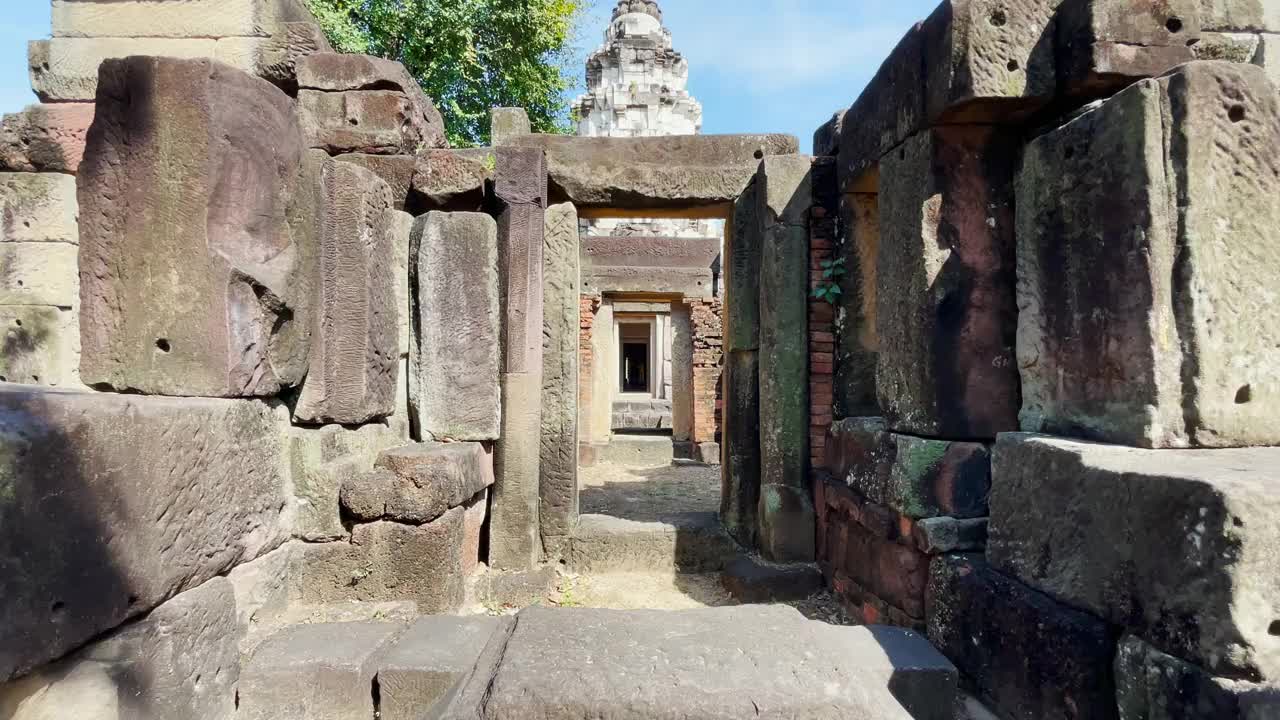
x: 708, y: 341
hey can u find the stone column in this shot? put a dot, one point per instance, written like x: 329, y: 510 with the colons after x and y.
x: 558, y: 488
x: 785, y: 514
x: 740, y: 478
x: 520, y: 187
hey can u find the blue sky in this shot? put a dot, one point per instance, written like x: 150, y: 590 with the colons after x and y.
x: 756, y: 65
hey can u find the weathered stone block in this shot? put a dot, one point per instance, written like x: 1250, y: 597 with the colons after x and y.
x: 945, y: 285
x: 1026, y: 655
x: 1181, y: 544
x: 453, y: 381
x: 388, y: 561
x: 418, y: 483
x: 855, y: 321
x: 45, y: 138
x: 1104, y: 45
x: 986, y: 62
x: 785, y: 195
x: 561, y: 334
x: 275, y: 58
x: 420, y: 673
x: 1143, y: 227
x: 451, y: 179
x: 1232, y: 47
x: 661, y: 172
x: 355, y: 351
x: 174, y: 19
x: 41, y: 346
x: 379, y: 122
x: 316, y: 508
x: 38, y: 207
x: 39, y: 273
x: 180, y: 661
x: 765, y: 662
x: 261, y: 589
x: 474, y: 514
x: 152, y: 496
x: 398, y: 225
x: 195, y: 261
x: 852, y: 444
x: 341, y: 72
x: 947, y: 534
x: 742, y: 273
x: 1151, y: 685
x: 1269, y: 57
x: 514, y: 542
x: 740, y: 481
x: 922, y: 478
x: 319, y: 672
x: 890, y: 108
x: 395, y: 170
x: 506, y: 123
x: 66, y: 69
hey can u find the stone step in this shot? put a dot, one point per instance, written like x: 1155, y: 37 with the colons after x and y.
x: 689, y: 542
x: 750, y: 579
x: 563, y: 664
x: 638, y: 450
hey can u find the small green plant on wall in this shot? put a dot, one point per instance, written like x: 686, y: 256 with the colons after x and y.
x: 829, y: 288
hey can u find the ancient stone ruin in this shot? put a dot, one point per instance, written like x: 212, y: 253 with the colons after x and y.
x: 297, y: 402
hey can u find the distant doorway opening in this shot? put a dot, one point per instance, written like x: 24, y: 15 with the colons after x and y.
x: 634, y: 373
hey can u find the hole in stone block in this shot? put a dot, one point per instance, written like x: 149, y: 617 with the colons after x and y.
x: 19, y: 283
x: 999, y: 19
x: 1237, y: 522
x: 1069, y: 153
x: 26, y: 223
x: 759, y: 155
x: 162, y: 345
x: 57, y: 607
x: 18, y: 323
x: 1174, y: 25
x: 3, y: 379
x: 1013, y: 66
x: 35, y: 378
x: 1275, y: 628
x: 353, y: 121
x: 133, y: 600
x: 1244, y: 395
x: 1236, y: 113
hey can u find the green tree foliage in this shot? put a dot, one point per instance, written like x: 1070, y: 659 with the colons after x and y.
x: 468, y: 55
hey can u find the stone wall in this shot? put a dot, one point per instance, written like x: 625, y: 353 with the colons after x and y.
x: 1032, y: 245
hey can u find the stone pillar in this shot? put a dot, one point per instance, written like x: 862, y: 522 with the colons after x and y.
x: 520, y: 187
x: 558, y: 488
x: 740, y: 456
x: 785, y: 515
x: 507, y: 123
x: 681, y: 374
x: 945, y: 284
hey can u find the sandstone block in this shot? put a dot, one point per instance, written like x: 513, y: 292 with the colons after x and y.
x: 506, y: 123
x: 319, y: 672
x: 341, y: 72
x: 320, y: 461
x: 514, y: 529
x: 418, y: 483
x: 37, y: 207
x: 1026, y: 655
x: 946, y: 534
x: 181, y: 660
x: 890, y: 108
x: 420, y: 673
x: 852, y: 444
x: 195, y: 264
x: 398, y: 225
x: 275, y: 58
x: 742, y: 273
x: 1152, y: 336
x: 152, y: 496
x: 1154, y: 686
x: 451, y: 179
x: 922, y: 478
x: 1269, y: 55
x: 475, y: 512
x: 727, y: 661
x: 784, y: 191
x: 379, y: 122
x: 39, y: 273
x: 856, y: 340
x: 395, y: 170
x: 355, y: 351
x: 388, y: 561
x: 1233, y: 47
x: 45, y: 138
x: 1104, y: 45
x: 561, y: 335
x: 174, y: 19
x: 66, y: 69
x: 41, y: 346
x: 261, y: 591
x: 826, y: 139
x: 453, y: 381
x: 945, y: 285
x: 740, y: 481
x: 661, y: 172
x: 1180, y: 543
x: 1240, y: 15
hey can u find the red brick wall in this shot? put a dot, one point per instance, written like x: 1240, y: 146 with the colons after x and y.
x: 707, y: 328
x: 822, y: 340
x: 588, y: 305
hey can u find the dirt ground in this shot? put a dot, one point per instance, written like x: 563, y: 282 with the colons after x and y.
x: 649, y: 494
